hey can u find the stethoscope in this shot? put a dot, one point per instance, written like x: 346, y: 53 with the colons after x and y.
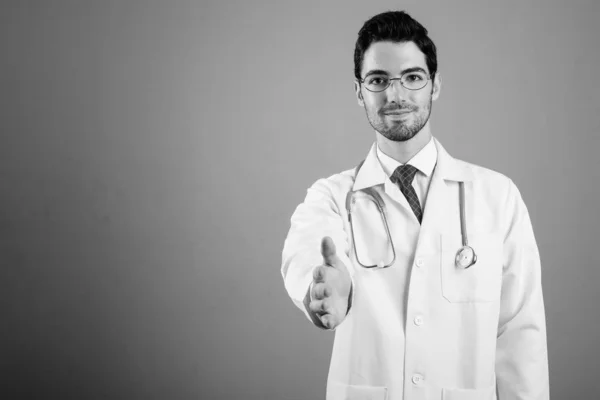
x: 465, y: 256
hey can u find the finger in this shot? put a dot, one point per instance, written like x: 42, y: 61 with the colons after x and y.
x: 328, y: 321
x: 328, y: 252
x: 319, y: 307
x: 319, y: 274
x: 321, y: 291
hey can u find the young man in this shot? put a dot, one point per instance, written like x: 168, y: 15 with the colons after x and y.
x: 425, y: 266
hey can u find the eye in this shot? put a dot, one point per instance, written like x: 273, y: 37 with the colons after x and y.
x: 414, y: 77
x: 377, y: 80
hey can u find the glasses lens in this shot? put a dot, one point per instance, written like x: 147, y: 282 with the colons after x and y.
x: 414, y: 80
x: 377, y: 83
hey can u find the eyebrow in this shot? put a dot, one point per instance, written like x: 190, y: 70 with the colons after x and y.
x: 404, y: 71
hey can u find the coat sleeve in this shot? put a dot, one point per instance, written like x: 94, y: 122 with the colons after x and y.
x: 521, y: 353
x: 318, y: 216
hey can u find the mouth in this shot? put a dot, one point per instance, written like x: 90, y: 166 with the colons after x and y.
x: 397, y: 115
x: 403, y: 112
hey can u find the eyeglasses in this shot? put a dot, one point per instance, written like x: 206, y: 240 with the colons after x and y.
x: 411, y: 80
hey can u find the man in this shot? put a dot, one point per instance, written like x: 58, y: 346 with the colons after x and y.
x: 422, y: 307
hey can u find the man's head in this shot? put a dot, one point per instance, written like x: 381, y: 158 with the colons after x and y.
x: 394, y: 45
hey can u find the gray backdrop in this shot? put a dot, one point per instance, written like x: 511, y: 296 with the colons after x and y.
x: 152, y: 153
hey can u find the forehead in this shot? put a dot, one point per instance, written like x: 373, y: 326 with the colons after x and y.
x: 393, y: 57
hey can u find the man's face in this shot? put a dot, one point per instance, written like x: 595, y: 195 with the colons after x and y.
x: 397, y: 113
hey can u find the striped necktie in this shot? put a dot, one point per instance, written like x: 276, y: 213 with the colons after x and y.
x: 403, y: 177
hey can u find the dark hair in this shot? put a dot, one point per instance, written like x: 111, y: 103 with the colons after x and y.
x: 394, y: 26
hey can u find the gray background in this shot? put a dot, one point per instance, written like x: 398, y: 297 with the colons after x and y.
x: 152, y: 153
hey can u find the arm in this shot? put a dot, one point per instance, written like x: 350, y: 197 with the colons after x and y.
x: 521, y: 352
x: 318, y: 216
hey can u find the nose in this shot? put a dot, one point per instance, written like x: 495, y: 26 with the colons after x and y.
x: 395, y: 92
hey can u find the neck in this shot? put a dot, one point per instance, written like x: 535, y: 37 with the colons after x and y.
x: 404, y: 151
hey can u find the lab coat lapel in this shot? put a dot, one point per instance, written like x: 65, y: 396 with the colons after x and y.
x: 371, y: 174
x: 443, y: 197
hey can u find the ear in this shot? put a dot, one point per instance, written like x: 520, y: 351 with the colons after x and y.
x: 359, y: 96
x: 437, y: 86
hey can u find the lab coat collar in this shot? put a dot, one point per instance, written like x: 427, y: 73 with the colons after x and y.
x: 424, y: 160
x: 448, y: 168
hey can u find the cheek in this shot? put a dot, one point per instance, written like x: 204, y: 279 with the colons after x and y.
x: 373, y: 102
x: 422, y: 99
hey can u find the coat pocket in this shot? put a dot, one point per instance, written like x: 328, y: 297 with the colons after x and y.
x: 470, y: 394
x: 482, y: 281
x: 340, y: 391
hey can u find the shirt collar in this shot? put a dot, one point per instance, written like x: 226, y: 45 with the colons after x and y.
x: 372, y: 173
x: 424, y: 160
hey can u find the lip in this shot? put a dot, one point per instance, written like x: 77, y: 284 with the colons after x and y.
x: 397, y: 112
x: 397, y: 115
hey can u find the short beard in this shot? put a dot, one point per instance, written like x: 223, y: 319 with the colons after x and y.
x: 401, y: 132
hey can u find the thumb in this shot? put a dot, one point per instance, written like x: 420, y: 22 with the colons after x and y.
x: 328, y: 252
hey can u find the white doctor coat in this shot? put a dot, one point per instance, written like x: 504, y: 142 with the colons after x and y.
x: 423, y: 328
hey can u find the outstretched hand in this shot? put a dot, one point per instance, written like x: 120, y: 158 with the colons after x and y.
x: 331, y: 287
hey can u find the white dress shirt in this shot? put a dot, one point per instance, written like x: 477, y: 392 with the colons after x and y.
x: 424, y: 161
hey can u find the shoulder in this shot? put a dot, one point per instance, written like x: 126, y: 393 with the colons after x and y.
x: 337, y: 183
x: 331, y: 190
x: 496, y: 198
x: 492, y: 180
x: 498, y: 191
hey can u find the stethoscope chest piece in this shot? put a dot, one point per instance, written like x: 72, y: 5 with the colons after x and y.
x: 465, y: 257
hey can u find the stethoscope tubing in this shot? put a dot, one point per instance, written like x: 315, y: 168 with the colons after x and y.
x: 465, y: 256
x: 382, y: 212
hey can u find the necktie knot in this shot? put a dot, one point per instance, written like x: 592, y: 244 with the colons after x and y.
x: 404, y: 175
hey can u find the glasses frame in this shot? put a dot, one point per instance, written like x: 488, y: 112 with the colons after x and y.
x: 362, y: 81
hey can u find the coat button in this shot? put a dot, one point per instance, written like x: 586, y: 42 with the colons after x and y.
x: 420, y: 262
x: 417, y: 379
x: 419, y: 320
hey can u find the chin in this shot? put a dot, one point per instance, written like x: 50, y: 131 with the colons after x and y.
x: 394, y: 137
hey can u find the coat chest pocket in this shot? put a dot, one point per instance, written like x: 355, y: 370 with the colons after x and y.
x: 482, y: 281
